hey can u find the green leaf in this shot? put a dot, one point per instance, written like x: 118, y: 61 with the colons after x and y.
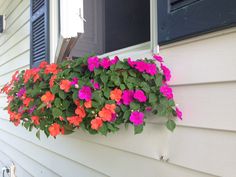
x: 56, y: 112
x: 55, y: 89
x: 41, y: 106
x: 158, y: 80
x: 126, y: 115
x: 103, y: 129
x: 107, y: 92
x: 62, y: 95
x: 138, y: 129
x: 38, y: 134
x: 134, y: 106
x: 170, y: 124
x: 57, y: 102
x: 132, y: 73
x: 75, y: 95
x: 122, y: 87
x: 65, y: 104
x: 104, y: 78
x: 152, y: 98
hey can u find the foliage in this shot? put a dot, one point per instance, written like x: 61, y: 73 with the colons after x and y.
x: 96, y: 95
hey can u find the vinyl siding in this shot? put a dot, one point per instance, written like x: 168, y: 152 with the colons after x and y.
x: 203, y: 145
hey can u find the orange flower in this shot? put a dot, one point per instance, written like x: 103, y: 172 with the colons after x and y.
x: 75, y: 120
x: 15, y: 117
x: 52, y: 68
x: 54, y: 129
x: 111, y: 107
x: 116, y: 94
x: 47, y: 98
x: 36, y: 77
x: 65, y: 85
x: 77, y: 102
x: 105, y: 114
x: 52, y: 79
x: 43, y: 64
x: 27, y: 101
x: 80, y: 112
x: 88, y: 104
x: 35, y: 120
x: 96, y: 123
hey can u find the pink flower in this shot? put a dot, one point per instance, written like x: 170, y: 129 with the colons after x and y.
x: 178, y: 113
x: 166, y: 91
x: 96, y: 85
x: 166, y: 72
x: 148, y: 109
x: 93, y: 62
x: 114, y: 60
x: 85, y: 93
x: 140, y: 96
x: 131, y: 63
x: 127, y: 96
x: 140, y: 66
x: 151, y: 69
x: 158, y: 58
x: 21, y: 92
x: 74, y: 81
x: 137, y: 118
x: 105, y: 63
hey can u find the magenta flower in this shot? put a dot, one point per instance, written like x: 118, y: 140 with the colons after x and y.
x: 96, y: 85
x: 151, y: 69
x: 127, y: 96
x: 131, y: 63
x: 114, y: 60
x: 166, y: 72
x: 31, y: 110
x: 137, y: 118
x: 105, y: 63
x: 158, y: 58
x: 85, y: 93
x: 21, y: 92
x: 140, y: 66
x: 148, y: 109
x: 178, y: 113
x: 166, y: 91
x: 74, y: 81
x: 93, y: 62
x: 140, y: 96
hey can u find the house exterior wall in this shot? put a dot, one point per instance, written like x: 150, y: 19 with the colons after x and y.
x: 203, y: 144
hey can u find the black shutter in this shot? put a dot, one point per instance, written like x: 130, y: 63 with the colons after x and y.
x: 39, y: 32
x: 180, y: 19
x: 1, y: 23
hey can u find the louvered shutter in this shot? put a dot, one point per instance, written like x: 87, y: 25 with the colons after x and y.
x: 39, y: 32
x: 181, y: 19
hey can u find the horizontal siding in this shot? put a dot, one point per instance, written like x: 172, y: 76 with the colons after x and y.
x: 203, y: 145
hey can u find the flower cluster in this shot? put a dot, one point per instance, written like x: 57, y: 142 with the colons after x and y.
x: 96, y: 95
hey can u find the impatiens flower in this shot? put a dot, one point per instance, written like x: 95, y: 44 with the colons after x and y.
x: 137, y: 118
x: 178, y: 113
x: 158, y: 58
x: 47, y: 98
x: 93, y: 62
x: 31, y: 73
x: 65, y: 85
x: 21, y: 92
x: 148, y: 109
x: 96, y: 123
x: 130, y: 62
x: 35, y: 120
x: 74, y: 81
x: 140, y: 96
x: 52, y: 80
x: 43, y: 64
x: 151, y: 69
x: 75, y: 120
x: 114, y: 60
x: 27, y: 101
x: 166, y: 91
x: 166, y: 72
x: 96, y: 86
x: 116, y: 94
x: 54, y: 129
x: 52, y: 68
x: 140, y: 66
x: 80, y: 111
x: 85, y: 93
x: 127, y: 96
x: 20, y: 110
x: 111, y: 107
x: 105, y: 114
x: 105, y: 63
x: 88, y: 104
x: 31, y: 110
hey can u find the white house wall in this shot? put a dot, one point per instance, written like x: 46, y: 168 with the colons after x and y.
x: 203, y: 144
